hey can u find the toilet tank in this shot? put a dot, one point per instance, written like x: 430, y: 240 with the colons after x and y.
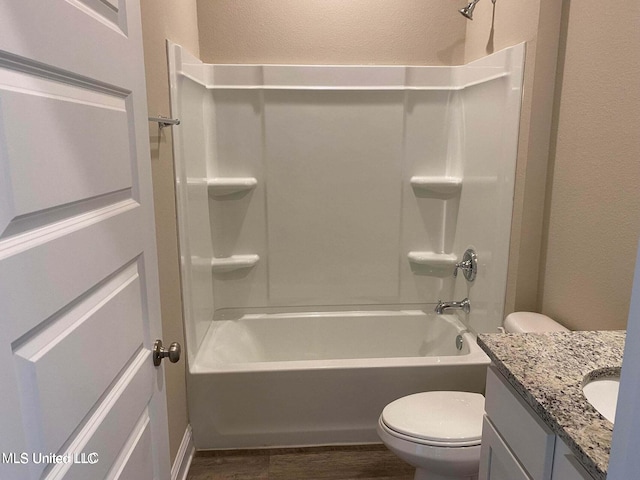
x: 529, y: 322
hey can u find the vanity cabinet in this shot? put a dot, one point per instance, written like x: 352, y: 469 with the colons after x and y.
x: 517, y: 444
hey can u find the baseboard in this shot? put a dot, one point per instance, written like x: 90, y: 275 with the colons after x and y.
x: 181, y: 464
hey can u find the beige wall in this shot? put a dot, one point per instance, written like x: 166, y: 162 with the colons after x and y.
x: 162, y: 19
x: 592, y: 220
x: 425, y: 32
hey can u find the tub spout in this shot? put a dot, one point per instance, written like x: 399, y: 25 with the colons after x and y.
x: 463, y: 305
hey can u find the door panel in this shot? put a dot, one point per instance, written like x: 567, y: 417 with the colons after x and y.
x: 79, y: 307
x: 35, y: 264
x: 82, y: 42
x: 75, y: 130
x: 104, y: 11
x: 47, y: 362
x: 109, y: 426
x: 136, y: 463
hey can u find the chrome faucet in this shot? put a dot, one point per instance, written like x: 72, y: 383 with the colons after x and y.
x: 463, y: 305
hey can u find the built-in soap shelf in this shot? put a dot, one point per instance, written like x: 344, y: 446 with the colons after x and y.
x: 221, y: 186
x: 432, y: 263
x: 438, y: 186
x: 433, y: 259
x: 234, y: 262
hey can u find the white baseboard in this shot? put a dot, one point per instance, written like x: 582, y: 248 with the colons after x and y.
x: 181, y: 464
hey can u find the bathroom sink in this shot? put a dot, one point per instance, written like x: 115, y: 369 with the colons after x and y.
x: 601, y: 390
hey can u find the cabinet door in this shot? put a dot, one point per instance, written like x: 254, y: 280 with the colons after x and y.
x: 496, y: 460
x: 566, y: 466
x: 528, y: 437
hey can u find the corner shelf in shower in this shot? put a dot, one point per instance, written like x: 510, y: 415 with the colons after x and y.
x: 234, y: 262
x: 221, y: 186
x: 433, y: 259
x: 440, y: 186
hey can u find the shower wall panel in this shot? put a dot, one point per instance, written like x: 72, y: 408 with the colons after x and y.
x: 238, y: 220
x: 491, y: 113
x: 333, y: 196
x: 431, y: 149
x: 190, y: 149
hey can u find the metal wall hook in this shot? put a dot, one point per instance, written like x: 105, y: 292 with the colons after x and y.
x: 164, y: 121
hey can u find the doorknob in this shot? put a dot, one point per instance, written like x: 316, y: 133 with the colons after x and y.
x: 159, y: 352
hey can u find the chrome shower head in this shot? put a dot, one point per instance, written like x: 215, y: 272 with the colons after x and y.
x: 468, y: 10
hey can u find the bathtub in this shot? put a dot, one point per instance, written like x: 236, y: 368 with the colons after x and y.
x: 273, y: 380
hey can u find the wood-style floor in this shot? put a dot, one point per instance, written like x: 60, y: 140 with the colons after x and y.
x: 362, y: 462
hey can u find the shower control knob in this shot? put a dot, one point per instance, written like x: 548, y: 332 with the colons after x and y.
x: 159, y: 352
x: 468, y: 265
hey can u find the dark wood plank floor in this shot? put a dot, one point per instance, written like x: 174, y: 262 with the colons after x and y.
x: 362, y: 462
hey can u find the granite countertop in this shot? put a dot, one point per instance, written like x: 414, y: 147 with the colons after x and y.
x: 548, y: 370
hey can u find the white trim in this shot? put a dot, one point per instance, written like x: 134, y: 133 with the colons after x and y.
x: 182, y: 462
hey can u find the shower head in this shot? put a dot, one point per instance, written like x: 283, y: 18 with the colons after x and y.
x: 468, y: 10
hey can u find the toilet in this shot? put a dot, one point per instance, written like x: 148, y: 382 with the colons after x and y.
x: 439, y: 432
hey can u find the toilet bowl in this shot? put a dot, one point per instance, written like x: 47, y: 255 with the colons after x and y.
x: 440, y: 432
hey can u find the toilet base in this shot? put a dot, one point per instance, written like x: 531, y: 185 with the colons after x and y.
x: 433, y: 463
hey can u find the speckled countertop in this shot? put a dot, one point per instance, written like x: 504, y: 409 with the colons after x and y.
x: 548, y: 370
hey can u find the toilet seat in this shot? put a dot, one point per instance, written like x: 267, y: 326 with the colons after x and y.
x: 442, y: 419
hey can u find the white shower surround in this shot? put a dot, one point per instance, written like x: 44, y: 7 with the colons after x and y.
x: 334, y: 157
x: 334, y: 188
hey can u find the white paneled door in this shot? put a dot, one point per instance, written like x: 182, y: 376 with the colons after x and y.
x: 79, y: 307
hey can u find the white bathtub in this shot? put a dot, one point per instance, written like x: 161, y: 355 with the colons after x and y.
x: 322, y: 378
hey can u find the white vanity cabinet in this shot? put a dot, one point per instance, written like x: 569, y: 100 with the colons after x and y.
x: 517, y: 444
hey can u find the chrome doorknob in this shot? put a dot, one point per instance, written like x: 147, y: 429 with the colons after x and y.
x: 159, y: 352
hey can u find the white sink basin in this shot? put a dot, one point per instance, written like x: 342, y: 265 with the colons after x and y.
x: 602, y: 393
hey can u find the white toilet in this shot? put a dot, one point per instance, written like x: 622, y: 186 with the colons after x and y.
x: 439, y: 432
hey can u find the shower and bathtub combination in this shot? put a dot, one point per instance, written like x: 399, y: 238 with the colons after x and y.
x: 322, y: 211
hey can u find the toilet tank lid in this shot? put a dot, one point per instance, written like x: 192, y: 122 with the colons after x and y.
x: 530, y: 322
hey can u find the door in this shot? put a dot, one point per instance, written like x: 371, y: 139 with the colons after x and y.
x: 79, y: 306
